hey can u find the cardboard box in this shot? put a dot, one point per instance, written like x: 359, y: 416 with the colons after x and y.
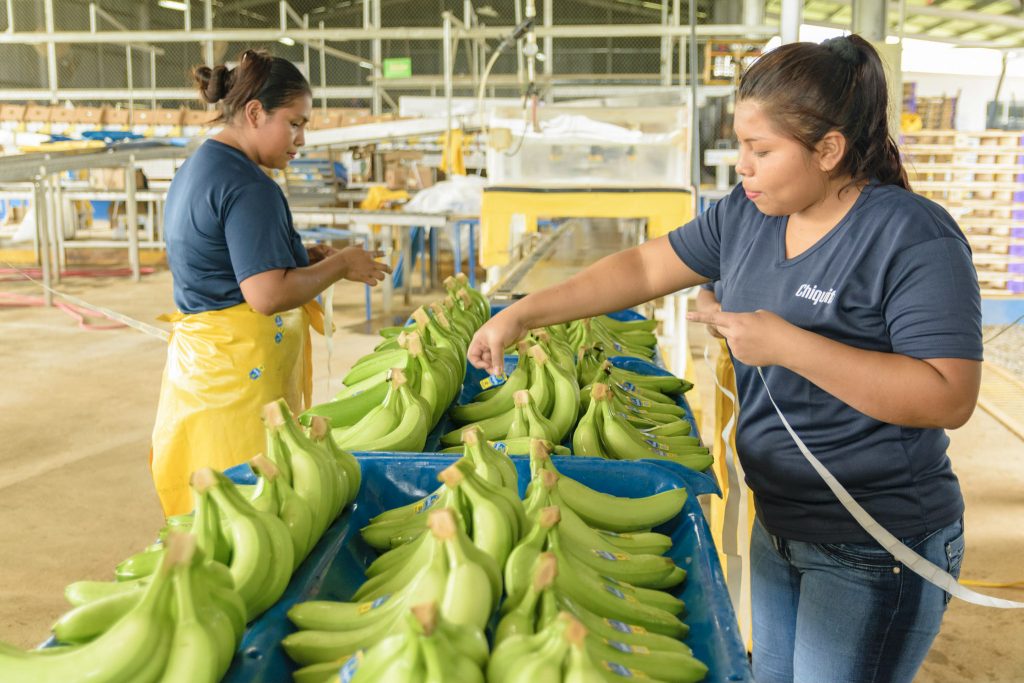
x: 193, y: 117
x: 336, y: 118
x: 37, y: 114
x: 116, y: 117
x: 113, y: 179
x: 62, y: 115
x: 396, y: 177
x: 12, y: 112
x: 158, y: 117
x: 90, y: 115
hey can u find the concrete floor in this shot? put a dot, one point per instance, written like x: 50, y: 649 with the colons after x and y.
x: 76, y: 496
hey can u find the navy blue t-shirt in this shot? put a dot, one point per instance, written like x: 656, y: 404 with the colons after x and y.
x: 225, y: 220
x: 895, y: 276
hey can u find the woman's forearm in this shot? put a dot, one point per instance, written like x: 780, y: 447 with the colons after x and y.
x: 889, y: 387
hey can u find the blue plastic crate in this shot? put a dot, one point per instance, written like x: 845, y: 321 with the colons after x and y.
x: 336, y: 567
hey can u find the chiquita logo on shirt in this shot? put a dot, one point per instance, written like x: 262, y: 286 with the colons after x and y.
x: 818, y: 296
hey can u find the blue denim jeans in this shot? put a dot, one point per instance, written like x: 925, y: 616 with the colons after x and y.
x: 845, y: 612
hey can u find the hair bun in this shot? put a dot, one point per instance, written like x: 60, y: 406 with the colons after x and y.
x: 214, y: 83
x: 843, y: 47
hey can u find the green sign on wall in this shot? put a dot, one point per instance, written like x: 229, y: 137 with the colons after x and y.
x: 398, y: 67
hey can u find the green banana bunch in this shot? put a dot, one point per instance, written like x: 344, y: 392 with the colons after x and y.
x: 608, y: 512
x: 617, y: 326
x: 375, y: 363
x: 275, y: 496
x: 437, y: 332
x: 479, y: 302
x: 320, y: 433
x: 400, y: 423
x: 493, y: 513
x: 590, y: 331
x: 346, y: 411
x: 259, y: 543
x: 422, y: 652
x: 497, y: 403
x: 491, y: 463
x: 541, y: 602
x: 135, y: 648
x: 438, y: 384
x: 314, y: 474
x: 565, y: 406
x: 528, y: 422
x: 593, y: 364
x: 603, y: 432
x: 557, y: 348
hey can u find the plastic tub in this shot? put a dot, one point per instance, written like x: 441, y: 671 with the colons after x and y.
x: 336, y: 566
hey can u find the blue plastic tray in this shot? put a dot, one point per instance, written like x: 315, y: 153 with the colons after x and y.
x: 704, y: 482
x: 336, y: 566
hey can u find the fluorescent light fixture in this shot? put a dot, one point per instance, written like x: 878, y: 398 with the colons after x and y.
x: 366, y: 65
x: 487, y: 11
x: 541, y: 57
x: 286, y: 41
x: 174, y: 4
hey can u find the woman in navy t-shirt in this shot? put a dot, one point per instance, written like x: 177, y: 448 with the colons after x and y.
x: 243, y: 283
x: 859, y: 302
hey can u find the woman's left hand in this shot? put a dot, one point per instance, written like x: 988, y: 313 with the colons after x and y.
x: 318, y: 252
x: 759, y: 338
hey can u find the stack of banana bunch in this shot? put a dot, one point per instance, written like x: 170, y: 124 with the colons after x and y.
x: 441, y: 566
x: 540, y: 399
x: 558, y: 651
x: 181, y: 625
x: 430, y: 351
x: 633, y: 338
x: 428, y: 647
x: 617, y: 424
x: 608, y: 580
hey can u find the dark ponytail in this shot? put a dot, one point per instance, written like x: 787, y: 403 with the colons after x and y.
x: 808, y: 90
x: 273, y: 81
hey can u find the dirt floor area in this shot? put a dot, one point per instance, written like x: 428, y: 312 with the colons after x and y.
x: 76, y: 495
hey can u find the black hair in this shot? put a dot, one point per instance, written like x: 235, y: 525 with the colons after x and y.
x: 273, y: 81
x: 807, y: 90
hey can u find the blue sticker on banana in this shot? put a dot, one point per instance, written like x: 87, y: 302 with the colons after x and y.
x: 348, y: 670
x: 623, y: 627
x: 628, y: 386
x: 370, y: 606
x: 500, y: 446
x: 623, y: 671
x: 425, y: 503
x: 611, y: 557
x: 493, y: 381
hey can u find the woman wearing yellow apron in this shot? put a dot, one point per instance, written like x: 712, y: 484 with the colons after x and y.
x: 244, y: 285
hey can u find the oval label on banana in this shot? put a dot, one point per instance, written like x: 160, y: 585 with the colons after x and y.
x: 623, y: 671
x: 348, y: 669
x: 425, y: 503
x: 611, y: 557
x: 626, y: 648
x: 493, y: 381
x: 639, y: 403
x: 627, y: 386
x: 623, y: 627
x: 370, y: 606
x: 619, y: 594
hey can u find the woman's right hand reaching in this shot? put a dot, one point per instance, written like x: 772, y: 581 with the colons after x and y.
x: 359, y: 265
x: 487, y: 349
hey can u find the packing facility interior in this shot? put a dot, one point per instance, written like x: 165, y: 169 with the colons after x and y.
x: 515, y: 141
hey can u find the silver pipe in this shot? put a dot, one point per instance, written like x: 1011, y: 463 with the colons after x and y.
x: 446, y: 52
x: 471, y: 46
x: 392, y: 33
x: 92, y: 17
x: 305, y: 47
x: 131, y: 215
x: 208, y: 25
x: 10, y: 16
x: 789, y: 24
x: 694, y: 116
x: 42, y: 241
x: 666, y: 48
x: 152, y: 79
x: 519, y: 43
x: 677, y: 15
x: 282, y: 14
x: 323, y: 73
x: 377, y: 104
x: 51, y: 51
x: 188, y: 16
x: 130, y: 79
x: 549, y: 48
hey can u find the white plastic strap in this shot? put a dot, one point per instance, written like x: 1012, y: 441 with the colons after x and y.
x: 735, y: 529
x: 145, y: 328
x: 329, y: 330
x: 917, y: 564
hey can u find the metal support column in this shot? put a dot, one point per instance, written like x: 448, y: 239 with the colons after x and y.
x: 305, y: 48
x: 753, y: 12
x: 51, y: 52
x: 789, y: 20
x: 128, y: 69
x: 694, y: 116
x: 869, y: 19
x: 666, y: 48
x: 449, y: 67
x: 323, y: 72
x: 677, y: 18
x: 549, y: 51
x: 39, y: 202
x: 131, y: 216
x: 49, y: 187
x: 378, y: 74
x: 208, y: 46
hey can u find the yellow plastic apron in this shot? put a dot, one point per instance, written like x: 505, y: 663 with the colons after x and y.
x: 222, y: 367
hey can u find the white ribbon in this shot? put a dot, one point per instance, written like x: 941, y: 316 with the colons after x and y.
x: 917, y: 564
x: 328, y: 300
